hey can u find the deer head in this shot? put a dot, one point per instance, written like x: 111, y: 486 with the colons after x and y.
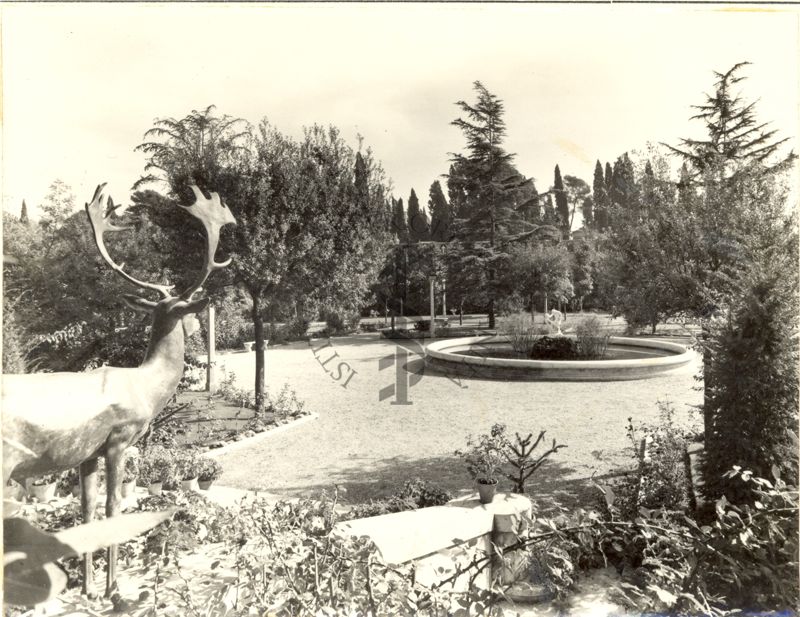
x: 212, y: 213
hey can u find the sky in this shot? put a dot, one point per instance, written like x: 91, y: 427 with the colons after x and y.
x: 83, y: 82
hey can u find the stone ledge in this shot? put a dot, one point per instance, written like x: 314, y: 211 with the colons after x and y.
x: 405, y: 536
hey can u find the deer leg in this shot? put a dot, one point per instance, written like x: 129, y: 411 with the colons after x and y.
x: 88, y: 475
x: 114, y: 462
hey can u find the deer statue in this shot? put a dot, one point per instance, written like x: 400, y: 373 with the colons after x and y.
x: 56, y: 421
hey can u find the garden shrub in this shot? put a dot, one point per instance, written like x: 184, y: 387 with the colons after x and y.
x: 591, y: 340
x: 414, y: 494
x: 751, y: 383
x: 519, y: 329
x: 338, y: 323
x: 297, y: 328
x: 554, y: 348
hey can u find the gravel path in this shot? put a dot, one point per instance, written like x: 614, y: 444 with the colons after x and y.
x: 370, y: 447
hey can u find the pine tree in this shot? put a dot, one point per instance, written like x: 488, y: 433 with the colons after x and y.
x: 441, y: 214
x: 489, y: 181
x: 735, y: 137
x: 562, y: 206
x: 23, y: 215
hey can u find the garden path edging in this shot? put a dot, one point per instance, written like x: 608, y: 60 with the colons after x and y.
x: 214, y: 452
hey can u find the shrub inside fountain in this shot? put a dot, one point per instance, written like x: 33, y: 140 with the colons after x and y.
x: 554, y: 348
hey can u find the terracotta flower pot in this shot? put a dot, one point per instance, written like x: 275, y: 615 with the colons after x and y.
x: 128, y: 488
x: 205, y: 484
x: 43, y: 492
x: 154, y: 488
x: 486, y: 492
x: 189, y: 485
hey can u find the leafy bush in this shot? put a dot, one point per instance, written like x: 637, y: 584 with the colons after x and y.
x: 414, y: 494
x: 131, y: 466
x: 751, y: 383
x: 484, y: 456
x: 157, y: 464
x: 519, y: 329
x: 297, y: 329
x: 555, y: 348
x: 338, y: 323
x: 591, y: 340
x: 208, y: 469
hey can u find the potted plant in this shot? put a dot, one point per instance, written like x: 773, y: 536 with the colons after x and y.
x: 484, y: 459
x: 69, y: 483
x: 130, y: 471
x: 209, y: 470
x: 156, y: 468
x: 44, y: 487
x: 188, y: 468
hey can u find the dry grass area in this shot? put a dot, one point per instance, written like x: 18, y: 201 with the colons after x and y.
x: 370, y: 447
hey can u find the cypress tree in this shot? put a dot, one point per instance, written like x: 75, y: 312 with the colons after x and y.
x: 400, y: 228
x: 23, y: 215
x: 600, y: 197
x: 550, y: 217
x: 562, y: 206
x: 587, y: 209
x: 441, y: 215
x: 418, y: 226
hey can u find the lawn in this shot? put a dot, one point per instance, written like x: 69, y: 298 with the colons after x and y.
x: 371, y: 446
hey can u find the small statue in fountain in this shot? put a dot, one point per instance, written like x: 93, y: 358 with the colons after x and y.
x: 554, y: 320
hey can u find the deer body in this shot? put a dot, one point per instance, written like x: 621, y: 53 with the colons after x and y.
x: 56, y: 421
x: 48, y: 412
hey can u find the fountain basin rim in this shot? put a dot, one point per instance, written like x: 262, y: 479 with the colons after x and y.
x: 443, y: 350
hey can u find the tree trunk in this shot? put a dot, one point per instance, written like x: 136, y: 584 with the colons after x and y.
x: 653, y: 326
x: 258, y: 327
x: 461, y: 314
x: 545, y: 309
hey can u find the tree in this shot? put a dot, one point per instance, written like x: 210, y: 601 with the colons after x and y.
x: 489, y: 213
x: 576, y: 192
x: 541, y: 272
x: 441, y: 213
x: 600, y: 198
x: 582, y: 270
x: 734, y: 136
x: 399, y: 223
x: 752, y: 399
x: 310, y: 217
x: 23, y: 215
x: 418, y: 225
x: 623, y: 185
x: 587, y: 211
x: 562, y: 205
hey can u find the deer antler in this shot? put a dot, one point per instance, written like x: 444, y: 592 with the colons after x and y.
x: 100, y: 210
x: 214, y: 215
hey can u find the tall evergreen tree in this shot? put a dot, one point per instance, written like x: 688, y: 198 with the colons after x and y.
x: 562, y: 205
x: 550, y: 217
x: 399, y: 224
x: 441, y: 214
x: 418, y: 225
x: 587, y: 210
x: 23, y: 215
x: 623, y: 184
x: 489, y: 181
x: 600, y: 198
x: 735, y: 136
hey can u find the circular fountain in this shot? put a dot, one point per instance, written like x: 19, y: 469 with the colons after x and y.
x: 627, y: 358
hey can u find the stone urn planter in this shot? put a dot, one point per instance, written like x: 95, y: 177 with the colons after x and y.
x: 487, y: 491
x: 128, y: 488
x: 189, y: 485
x: 43, y: 492
x: 205, y: 484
